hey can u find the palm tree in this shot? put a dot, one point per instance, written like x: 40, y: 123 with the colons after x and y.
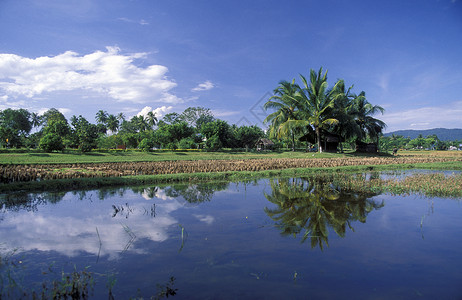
x: 364, y: 111
x: 101, y: 117
x: 121, y: 117
x: 139, y: 123
x: 36, y: 119
x: 151, y: 119
x: 344, y: 112
x: 112, y: 123
x: 315, y: 102
x: 284, y: 102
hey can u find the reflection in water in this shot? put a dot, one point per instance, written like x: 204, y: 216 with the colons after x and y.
x: 312, y: 206
x: 216, y: 242
x: 51, y: 221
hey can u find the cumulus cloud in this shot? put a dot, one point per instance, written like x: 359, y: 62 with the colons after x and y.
x: 107, y: 73
x: 159, y: 112
x: 205, y: 86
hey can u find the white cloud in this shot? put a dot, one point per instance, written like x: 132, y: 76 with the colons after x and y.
x: 205, y: 86
x: 105, y: 73
x: 448, y: 116
x: 159, y: 112
x: 225, y: 113
x: 141, y: 22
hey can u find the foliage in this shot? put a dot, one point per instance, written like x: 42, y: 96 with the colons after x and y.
x: 14, y: 124
x: 197, y: 116
x: 146, y: 144
x: 247, y: 136
x: 51, y: 142
x: 84, y: 134
x: 313, y: 109
x: 218, y: 134
x: 187, y: 143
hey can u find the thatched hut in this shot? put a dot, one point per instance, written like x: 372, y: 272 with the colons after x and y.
x: 264, y: 144
x: 329, y: 141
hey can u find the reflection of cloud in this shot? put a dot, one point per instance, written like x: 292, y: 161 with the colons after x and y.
x: 78, y: 231
x: 206, y: 219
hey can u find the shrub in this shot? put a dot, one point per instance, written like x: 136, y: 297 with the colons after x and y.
x: 146, y: 144
x: 187, y: 143
x: 51, y: 142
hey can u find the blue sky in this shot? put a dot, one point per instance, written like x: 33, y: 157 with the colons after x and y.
x: 133, y: 56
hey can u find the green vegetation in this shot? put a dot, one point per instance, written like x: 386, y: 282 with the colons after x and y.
x: 312, y: 112
x: 106, y: 156
x: 195, y: 128
x: 62, y: 285
x: 430, y: 142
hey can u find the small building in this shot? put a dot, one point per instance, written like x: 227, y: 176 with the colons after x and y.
x: 329, y: 141
x: 264, y: 144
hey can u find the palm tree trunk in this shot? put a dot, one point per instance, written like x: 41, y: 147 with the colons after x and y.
x: 318, y: 137
x: 293, y: 141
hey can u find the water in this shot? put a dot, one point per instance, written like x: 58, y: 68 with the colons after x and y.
x: 269, y: 239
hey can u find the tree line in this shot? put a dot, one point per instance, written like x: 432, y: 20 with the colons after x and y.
x: 195, y: 127
x: 429, y: 142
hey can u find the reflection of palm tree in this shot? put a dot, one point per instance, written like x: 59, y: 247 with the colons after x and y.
x: 314, y: 206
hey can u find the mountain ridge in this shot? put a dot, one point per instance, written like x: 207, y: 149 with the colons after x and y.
x: 444, y: 134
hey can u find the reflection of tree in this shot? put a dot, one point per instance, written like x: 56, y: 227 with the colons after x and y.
x: 27, y: 201
x: 196, y: 193
x: 313, y: 206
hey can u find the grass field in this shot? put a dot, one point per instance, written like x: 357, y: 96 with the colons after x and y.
x: 138, y: 156
x: 54, y: 171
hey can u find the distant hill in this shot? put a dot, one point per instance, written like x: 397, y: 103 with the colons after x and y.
x: 442, y: 133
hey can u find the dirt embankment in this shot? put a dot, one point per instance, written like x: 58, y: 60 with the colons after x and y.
x: 22, y: 173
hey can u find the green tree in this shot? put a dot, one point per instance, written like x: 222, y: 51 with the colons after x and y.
x: 14, y: 126
x: 52, y: 114
x: 146, y: 144
x: 54, y: 134
x: 363, y: 112
x: 247, y: 136
x: 112, y: 123
x: 217, y: 133
x: 316, y: 103
x: 169, y: 135
x: 140, y: 123
x: 151, y: 119
x: 171, y: 118
x: 101, y: 121
x: 84, y: 134
x: 283, y: 119
x: 51, y: 142
x: 197, y: 116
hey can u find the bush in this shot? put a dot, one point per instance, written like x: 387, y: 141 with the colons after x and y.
x: 51, y: 142
x: 214, y: 143
x: 187, y: 143
x: 146, y: 144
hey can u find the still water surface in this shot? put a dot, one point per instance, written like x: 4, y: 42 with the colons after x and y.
x: 269, y: 239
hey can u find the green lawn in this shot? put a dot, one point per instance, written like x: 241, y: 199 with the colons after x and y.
x: 134, y: 156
